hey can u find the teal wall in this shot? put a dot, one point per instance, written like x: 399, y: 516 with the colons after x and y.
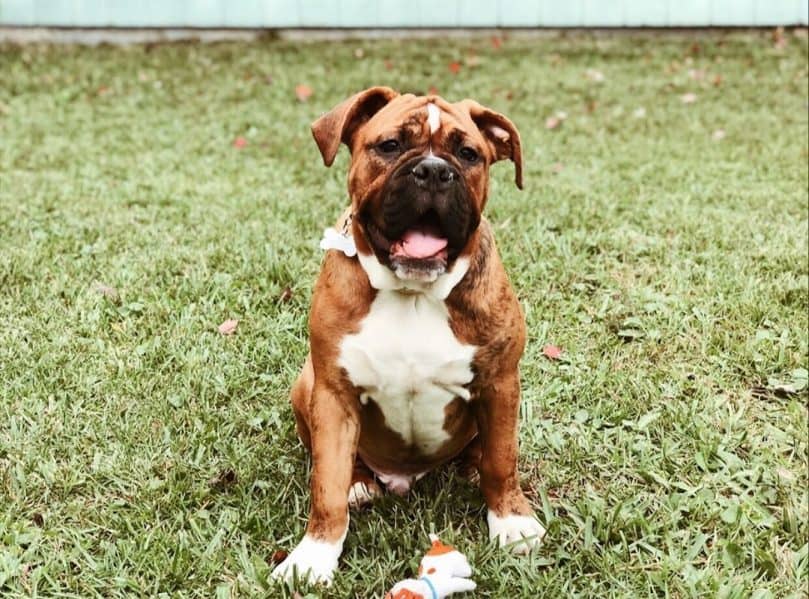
x: 403, y: 13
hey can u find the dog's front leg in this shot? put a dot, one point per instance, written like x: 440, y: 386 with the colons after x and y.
x: 334, y: 427
x: 511, y: 519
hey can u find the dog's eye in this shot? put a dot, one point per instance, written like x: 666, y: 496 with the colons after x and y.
x: 389, y: 146
x: 468, y: 154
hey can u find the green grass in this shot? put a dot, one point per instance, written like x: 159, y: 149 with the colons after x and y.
x: 141, y: 452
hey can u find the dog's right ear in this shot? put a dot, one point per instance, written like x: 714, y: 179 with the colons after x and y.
x: 341, y: 122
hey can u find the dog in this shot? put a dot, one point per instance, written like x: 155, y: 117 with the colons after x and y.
x: 415, y: 331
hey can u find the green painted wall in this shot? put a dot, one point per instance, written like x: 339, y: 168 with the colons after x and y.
x: 403, y: 13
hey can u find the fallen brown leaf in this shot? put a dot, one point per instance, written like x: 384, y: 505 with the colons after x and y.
x: 552, y: 122
x: 303, y: 92
x: 286, y: 295
x: 594, y: 75
x: 278, y: 556
x: 223, y: 480
x: 228, y: 327
x: 454, y: 67
x: 779, y: 40
x: 111, y: 293
x: 552, y: 352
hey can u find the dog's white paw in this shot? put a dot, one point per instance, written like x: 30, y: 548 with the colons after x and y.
x: 311, y: 561
x: 362, y: 493
x: 519, y: 533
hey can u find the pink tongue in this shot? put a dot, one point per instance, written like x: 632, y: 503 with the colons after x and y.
x: 418, y: 244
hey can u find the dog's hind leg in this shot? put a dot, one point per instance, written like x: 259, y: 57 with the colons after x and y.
x: 364, y: 488
x: 469, y: 462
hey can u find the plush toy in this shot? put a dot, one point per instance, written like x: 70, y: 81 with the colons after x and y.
x: 443, y: 571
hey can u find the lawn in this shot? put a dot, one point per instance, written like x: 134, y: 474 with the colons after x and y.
x: 149, y: 193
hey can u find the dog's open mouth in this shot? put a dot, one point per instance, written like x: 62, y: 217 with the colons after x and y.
x: 423, y: 241
x: 420, y: 252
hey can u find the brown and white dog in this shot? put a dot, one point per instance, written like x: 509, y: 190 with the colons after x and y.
x: 415, y: 341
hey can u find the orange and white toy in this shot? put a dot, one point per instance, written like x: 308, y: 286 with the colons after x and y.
x: 443, y: 571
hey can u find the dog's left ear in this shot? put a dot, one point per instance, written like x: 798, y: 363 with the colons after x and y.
x: 501, y: 134
x: 341, y: 122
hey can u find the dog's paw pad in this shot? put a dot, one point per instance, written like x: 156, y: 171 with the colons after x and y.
x: 518, y: 533
x: 362, y: 493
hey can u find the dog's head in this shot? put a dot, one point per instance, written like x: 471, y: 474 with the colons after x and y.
x: 419, y: 174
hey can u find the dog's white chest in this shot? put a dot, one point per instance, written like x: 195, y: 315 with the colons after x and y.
x: 406, y: 359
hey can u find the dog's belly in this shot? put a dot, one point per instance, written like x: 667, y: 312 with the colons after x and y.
x: 412, y: 372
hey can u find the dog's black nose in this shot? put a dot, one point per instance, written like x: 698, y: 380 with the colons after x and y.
x: 434, y: 174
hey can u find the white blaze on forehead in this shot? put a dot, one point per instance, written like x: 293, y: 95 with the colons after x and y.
x: 433, y: 117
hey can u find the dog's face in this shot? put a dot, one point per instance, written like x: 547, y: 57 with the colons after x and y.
x: 419, y: 174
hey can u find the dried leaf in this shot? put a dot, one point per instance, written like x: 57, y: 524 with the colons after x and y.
x: 223, y: 480
x: 303, y: 92
x: 552, y: 122
x: 239, y: 143
x: 111, y: 293
x: 454, y: 67
x: 779, y: 40
x: 688, y: 98
x: 278, y: 556
x: 594, y: 75
x: 552, y: 352
x: 228, y: 327
x: 286, y: 295
x: 472, y: 61
x: 797, y: 382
